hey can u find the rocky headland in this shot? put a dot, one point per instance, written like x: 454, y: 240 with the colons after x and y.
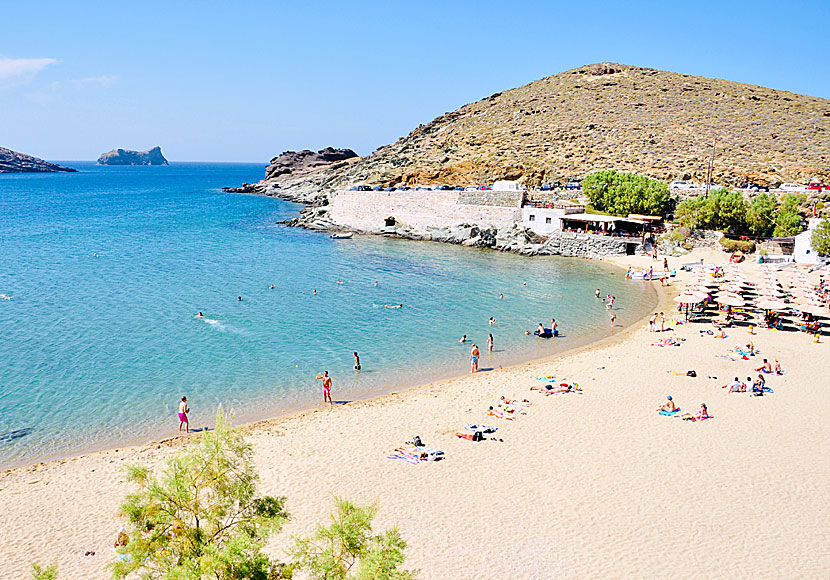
x: 127, y: 157
x: 14, y: 162
x: 602, y: 116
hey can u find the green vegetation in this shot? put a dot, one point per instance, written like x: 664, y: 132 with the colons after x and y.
x: 620, y: 193
x: 728, y: 212
x: 745, y: 246
x: 203, y: 518
x: 47, y: 573
x: 347, y: 548
x: 788, y: 220
x: 821, y: 238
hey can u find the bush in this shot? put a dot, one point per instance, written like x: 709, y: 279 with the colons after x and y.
x: 620, y: 193
x: 820, y: 239
x: 730, y: 245
x: 788, y: 220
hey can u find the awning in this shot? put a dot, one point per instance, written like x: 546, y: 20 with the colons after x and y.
x: 599, y: 218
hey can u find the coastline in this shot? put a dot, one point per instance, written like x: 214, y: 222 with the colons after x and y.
x: 250, y: 421
x: 591, y: 485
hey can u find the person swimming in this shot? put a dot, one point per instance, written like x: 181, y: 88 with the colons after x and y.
x: 356, y: 361
x: 271, y: 287
x: 463, y: 338
x: 239, y: 298
x: 393, y: 305
x: 200, y: 315
x: 492, y: 321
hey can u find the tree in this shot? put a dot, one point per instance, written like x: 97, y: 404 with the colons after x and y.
x: 760, y: 215
x: 723, y: 210
x: 788, y: 221
x: 621, y: 193
x: 690, y: 214
x: 333, y: 552
x: 820, y: 239
x: 203, y: 518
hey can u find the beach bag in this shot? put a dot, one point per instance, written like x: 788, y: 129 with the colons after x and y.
x: 691, y: 374
x: 478, y: 436
x: 416, y: 441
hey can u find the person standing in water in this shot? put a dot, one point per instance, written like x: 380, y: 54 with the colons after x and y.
x: 474, y: 354
x: 183, y: 411
x: 490, y: 342
x: 356, y: 361
x: 613, y: 320
x: 597, y: 293
x: 326, y: 388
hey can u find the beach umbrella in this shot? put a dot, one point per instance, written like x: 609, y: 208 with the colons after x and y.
x: 770, y: 304
x: 730, y: 300
x: 814, y: 309
x: 690, y: 298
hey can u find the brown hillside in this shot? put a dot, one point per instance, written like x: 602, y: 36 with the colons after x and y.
x: 608, y: 116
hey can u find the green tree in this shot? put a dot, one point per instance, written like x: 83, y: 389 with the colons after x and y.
x: 690, y: 213
x: 44, y: 573
x: 347, y: 548
x: 723, y: 210
x: 788, y: 221
x: 820, y: 239
x: 760, y: 216
x: 203, y: 518
x: 621, y: 193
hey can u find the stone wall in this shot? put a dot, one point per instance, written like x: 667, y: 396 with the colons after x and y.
x: 369, y: 211
x: 590, y: 246
x: 493, y: 198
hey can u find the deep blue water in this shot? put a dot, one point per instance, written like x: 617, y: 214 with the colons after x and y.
x: 97, y: 351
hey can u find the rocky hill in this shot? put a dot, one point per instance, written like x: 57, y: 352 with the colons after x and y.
x: 126, y: 157
x: 14, y: 162
x: 603, y: 116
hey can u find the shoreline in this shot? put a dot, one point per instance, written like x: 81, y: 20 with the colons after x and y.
x: 276, y: 416
x: 587, y: 474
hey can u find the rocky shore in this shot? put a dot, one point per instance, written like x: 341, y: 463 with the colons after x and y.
x: 14, y: 162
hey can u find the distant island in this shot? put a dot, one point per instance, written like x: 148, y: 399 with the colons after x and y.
x: 126, y: 157
x: 14, y: 162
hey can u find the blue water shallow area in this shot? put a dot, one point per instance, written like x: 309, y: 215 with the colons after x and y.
x: 108, y: 267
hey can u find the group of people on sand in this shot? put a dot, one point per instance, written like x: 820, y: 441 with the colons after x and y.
x: 755, y: 387
x: 656, y: 321
x: 671, y: 408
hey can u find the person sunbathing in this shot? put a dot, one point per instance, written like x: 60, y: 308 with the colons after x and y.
x: 491, y: 412
x: 720, y: 334
x: 778, y: 370
x: 703, y: 414
x: 765, y: 368
x: 734, y: 386
x: 669, y: 406
x: 516, y: 402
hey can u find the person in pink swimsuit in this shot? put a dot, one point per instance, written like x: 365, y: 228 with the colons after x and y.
x: 183, y: 411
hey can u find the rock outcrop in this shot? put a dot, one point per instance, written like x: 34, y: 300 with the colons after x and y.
x: 14, y: 162
x: 126, y: 157
x: 306, y: 161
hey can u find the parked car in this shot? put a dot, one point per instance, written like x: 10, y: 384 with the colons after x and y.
x: 389, y: 189
x: 682, y: 185
x: 545, y: 188
x: 404, y: 188
x: 750, y: 186
x: 712, y: 186
x: 573, y: 185
x: 360, y: 188
x: 443, y: 188
x: 818, y: 186
x: 377, y: 188
x: 471, y: 188
x: 790, y: 187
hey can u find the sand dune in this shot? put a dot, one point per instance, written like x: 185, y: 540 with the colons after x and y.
x: 595, y: 485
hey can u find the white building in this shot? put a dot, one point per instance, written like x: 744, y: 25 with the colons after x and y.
x: 508, y: 186
x: 547, y: 220
x: 803, y: 252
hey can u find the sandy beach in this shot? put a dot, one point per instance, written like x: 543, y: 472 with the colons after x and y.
x: 591, y: 485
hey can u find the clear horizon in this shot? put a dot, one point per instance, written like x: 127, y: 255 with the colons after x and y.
x: 216, y: 84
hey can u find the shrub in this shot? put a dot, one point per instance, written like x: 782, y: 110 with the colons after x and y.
x: 620, y: 193
x: 820, y: 239
x: 788, y: 220
x: 730, y: 245
x: 44, y: 573
x: 203, y: 518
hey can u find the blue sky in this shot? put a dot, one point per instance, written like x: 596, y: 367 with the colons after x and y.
x: 246, y: 80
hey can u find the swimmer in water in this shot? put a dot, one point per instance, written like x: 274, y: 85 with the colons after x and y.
x: 393, y: 305
x: 239, y: 298
x: 524, y: 283
x: 492, y: 321
x: 200, y: 315
x: 597, y: 293
x: 271, y: 287
x: 490, y: 342
x: 501, y: 296
x: 463, y: 338
x: 315, y: 292
x: 356, y: 361
x: 340, y: 281
x: 4, y: 297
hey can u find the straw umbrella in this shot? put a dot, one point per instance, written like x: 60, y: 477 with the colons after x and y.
x: 730, y: 300
x: 771, y: 304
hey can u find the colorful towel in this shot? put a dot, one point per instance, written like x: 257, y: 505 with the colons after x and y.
x: 670, y: 413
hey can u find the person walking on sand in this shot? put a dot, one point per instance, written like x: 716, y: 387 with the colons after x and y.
x: 326, y: 388
x: 474, y: 354
x: 356, y: 361
x: 490, y: 342
x: 665, y: 264
x: 652, y: 323
x: 183, y: 411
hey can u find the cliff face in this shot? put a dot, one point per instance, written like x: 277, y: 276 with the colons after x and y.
x: 605, y: 116
x: 14, y: 162
x: 126, y: 157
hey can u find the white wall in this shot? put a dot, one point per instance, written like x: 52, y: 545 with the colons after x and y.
x: 417, y: 210
x: 803, y: 252
x: 541, y: 220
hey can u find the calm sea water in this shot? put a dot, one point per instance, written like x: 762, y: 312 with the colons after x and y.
x: 97, y: 350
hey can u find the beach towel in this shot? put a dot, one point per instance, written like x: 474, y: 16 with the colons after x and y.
x: 698, y: 418
x: 482, y: 428
x: 406, y: 457
x: 670, y: 413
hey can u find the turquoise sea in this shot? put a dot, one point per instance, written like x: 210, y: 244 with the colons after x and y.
x: 106, y: 269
